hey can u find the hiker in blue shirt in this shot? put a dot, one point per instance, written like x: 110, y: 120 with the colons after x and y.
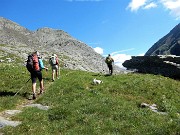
x: 41, y: 65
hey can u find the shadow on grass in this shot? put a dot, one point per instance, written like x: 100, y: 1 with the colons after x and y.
x: 10, y: 93
x: 48, y: 79
x: 7, y: 93
x: 106, y: 75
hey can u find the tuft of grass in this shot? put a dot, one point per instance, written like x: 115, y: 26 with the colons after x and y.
x: 79, y: 107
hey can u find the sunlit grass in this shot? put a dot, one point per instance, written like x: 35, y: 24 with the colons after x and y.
x: 79, y: 107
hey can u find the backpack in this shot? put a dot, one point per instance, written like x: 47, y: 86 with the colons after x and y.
x: 109, y: 60
x: 53, y: 61
x: 32, y: 63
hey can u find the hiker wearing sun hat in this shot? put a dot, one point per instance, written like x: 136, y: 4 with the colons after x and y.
x: 53, y: 61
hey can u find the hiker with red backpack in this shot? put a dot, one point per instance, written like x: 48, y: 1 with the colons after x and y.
x: 53, y: 61
x: 34, y: 68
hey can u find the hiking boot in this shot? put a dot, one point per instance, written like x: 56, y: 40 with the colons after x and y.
x: 34, y: 96
x: 41, y: 91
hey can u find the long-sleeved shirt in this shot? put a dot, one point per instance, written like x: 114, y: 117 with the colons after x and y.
x: 41, y: 65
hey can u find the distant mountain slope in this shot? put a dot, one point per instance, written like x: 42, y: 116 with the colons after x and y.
x: 168, y: 45
x: 73, y: 54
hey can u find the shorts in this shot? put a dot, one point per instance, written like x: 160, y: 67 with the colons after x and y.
x: 110, y: 67
x: 55, y: 67
x: 36, y: 74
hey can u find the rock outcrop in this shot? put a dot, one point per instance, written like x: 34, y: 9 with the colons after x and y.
x: 166, y: 65
x: 73, y: 54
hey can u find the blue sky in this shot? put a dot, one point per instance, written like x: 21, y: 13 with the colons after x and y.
x: 123, y: 28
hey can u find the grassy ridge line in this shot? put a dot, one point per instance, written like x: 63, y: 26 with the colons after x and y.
x: 78, y: 107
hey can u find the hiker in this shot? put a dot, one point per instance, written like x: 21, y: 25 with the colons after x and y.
x: 41, y: 64
x: 109, y: 61
x: 34, y: 68
x: 53, y: 61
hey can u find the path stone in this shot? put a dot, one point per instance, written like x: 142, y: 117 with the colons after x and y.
x: 41, y: 107
x: 153, y: 108
x: 4, y: 122
x: 12, y: 112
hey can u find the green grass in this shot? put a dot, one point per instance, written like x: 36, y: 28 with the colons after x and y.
x: 79, y: 107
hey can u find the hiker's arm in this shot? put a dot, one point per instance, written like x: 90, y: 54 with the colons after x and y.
x: 57, y: 61
x: 42, y: 65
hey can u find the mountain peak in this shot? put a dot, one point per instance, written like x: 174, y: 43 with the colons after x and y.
x: 72, y: 53
x: 167, y: 45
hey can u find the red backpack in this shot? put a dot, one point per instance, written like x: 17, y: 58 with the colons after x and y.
x: 32, y: 63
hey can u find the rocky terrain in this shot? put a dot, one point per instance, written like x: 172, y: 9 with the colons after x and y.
x: 166, y: 65
x: 162, y: 58
x: 73, y: 54
x: 167, y: 45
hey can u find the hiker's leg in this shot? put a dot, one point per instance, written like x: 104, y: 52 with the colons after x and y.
x: 58, y: 72
x: 111, y: 69
x: 33, y: 78
x: 57, y: 68
x: 53, y: 73
x: 34, y: 88
x: 39, y: 75
x: 41, y: 86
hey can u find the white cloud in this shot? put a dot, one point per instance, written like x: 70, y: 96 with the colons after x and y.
x: 151, y: 5
x: 113, y: 53
x: 134, y: 5
x: 120, y: 58
x: 98, y: 50
x: 172, y: 5
x: 142, y: 54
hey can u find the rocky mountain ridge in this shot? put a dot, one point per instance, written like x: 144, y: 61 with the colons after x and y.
x: 167, y: 45
x: 72, y: 53
x: 162, y: 58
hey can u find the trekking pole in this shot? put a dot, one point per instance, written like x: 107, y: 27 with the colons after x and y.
x: 22, y: 87
x: 59, y: 71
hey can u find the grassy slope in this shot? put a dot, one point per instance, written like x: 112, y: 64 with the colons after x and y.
x: 78, y: 107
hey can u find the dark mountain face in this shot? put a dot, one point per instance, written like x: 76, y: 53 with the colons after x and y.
x: 168, y: 45
x: 72, y: 53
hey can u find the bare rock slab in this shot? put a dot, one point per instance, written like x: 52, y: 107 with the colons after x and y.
x: 39, y: 106
x: 4, y: 122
